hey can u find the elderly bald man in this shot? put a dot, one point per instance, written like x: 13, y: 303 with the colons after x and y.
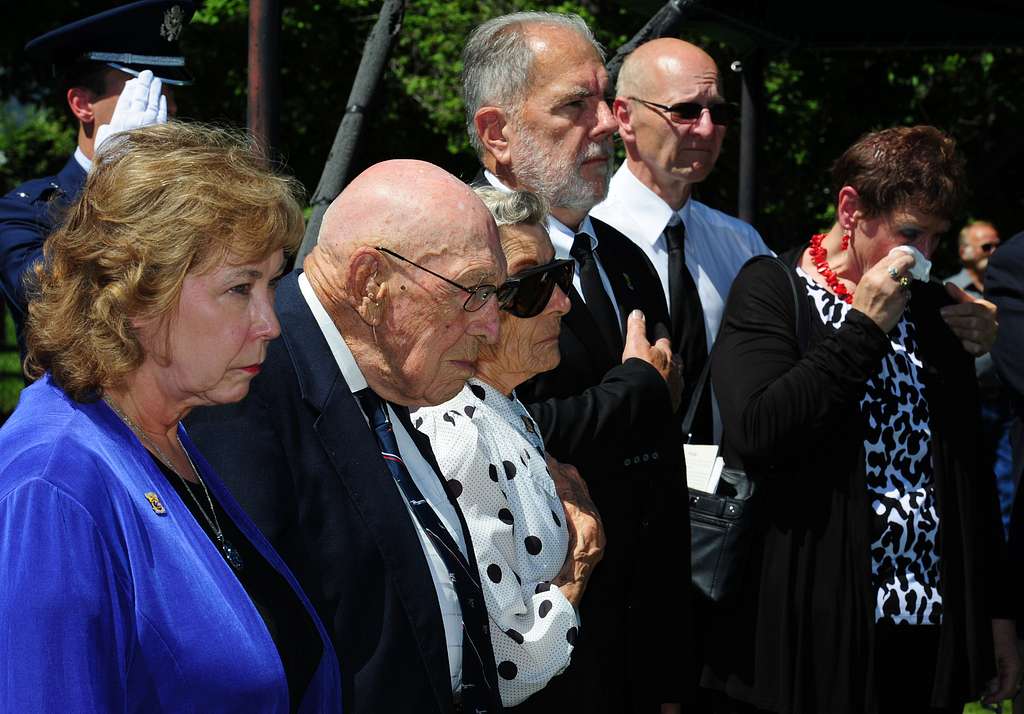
x: 391, y: 312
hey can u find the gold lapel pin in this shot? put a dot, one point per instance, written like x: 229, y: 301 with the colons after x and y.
x: 155, y: 504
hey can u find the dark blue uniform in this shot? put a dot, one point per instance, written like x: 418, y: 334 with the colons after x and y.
x: 130, y: 39
x: 28, y: 214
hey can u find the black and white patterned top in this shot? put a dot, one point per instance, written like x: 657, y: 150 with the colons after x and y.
x: 898, y: 466
x: 490, y: 452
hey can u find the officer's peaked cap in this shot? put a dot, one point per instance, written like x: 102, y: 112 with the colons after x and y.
x: 131, y: 38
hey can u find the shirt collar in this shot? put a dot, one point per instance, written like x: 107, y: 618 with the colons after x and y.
x: 635, y: 210
x: 82, y: 159
x: 495, y: 181
x: 562, y: 236
x: 342, y: 354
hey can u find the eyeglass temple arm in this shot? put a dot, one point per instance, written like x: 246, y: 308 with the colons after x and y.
x: 393, y: 254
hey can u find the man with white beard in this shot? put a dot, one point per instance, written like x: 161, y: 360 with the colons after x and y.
x: 534, y: 86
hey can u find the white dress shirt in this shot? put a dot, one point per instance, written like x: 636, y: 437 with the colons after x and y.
x: 562, y: 237
x: 82, y: 159
x: 716, y: 246
x: 489, y: 444
x: 424, y: 477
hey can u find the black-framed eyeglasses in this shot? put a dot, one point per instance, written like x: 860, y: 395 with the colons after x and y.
x: 527, y: 293
x: 722, y: 113
x: 478, y: 296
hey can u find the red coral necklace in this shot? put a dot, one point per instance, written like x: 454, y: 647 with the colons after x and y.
x: 819, y: 256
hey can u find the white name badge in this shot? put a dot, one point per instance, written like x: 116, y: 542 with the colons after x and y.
x: 703, y: 466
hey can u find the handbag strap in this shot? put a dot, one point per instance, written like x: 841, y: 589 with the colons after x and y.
x: 802, y: 336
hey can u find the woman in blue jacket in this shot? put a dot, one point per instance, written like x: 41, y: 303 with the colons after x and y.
x: 130, y: 580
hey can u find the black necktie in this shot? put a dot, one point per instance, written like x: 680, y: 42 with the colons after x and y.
x: 687, y: 327
x: 479, y: 691
x: 594, y: 294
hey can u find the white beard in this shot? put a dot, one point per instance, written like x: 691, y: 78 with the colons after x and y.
x: 560, y: 183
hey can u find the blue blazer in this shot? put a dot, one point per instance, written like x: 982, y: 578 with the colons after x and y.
x: 298, y: 455
x: 108, y: 604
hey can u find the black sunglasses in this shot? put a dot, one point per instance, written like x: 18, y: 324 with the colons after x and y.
x: 527, y: 293
x: 478, y: 296
x: 722, y: 113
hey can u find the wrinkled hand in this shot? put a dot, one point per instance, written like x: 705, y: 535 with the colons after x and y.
x: 972, y: 320
x: 1008, y: 666
x: 879, y: 296
x: 141, y: 103
x: 659, y: 355
x: 586, y: 532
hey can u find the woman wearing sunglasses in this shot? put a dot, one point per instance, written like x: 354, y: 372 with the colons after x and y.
x: 492, y: 457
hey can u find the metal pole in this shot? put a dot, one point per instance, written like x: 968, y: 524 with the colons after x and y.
x: 664, y: 23
x: 751, y: 79
x: 264, y: 78
x: 339, y: 161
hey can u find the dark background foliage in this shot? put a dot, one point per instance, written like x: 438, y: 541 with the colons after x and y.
x: 817, y: 101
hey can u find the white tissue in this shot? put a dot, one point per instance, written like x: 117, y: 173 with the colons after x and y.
x: 922, y: 267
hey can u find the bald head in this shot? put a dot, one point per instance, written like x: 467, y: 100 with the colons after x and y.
x: 669, y: 151
x: 660, y: 61
x: 411, y: 207
x: 403, y: 311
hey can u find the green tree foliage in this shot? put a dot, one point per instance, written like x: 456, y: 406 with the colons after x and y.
x: 31, y: 137
x: 818, y: 104
x: 417, y: 111
x: 815, y: 103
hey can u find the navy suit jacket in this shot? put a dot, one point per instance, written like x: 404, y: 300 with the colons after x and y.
x: 298, y: 455
x: 1004, y: 285
x: 28, y: 214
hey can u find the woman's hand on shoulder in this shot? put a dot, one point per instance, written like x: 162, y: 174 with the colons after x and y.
x: 879, y: 295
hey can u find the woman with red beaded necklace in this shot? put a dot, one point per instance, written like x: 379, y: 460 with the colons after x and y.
x: 876, y: 587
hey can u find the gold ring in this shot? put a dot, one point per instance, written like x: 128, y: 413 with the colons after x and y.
x: 904, y: 282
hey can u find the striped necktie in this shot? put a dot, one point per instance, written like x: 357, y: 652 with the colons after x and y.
x: 479, y: 686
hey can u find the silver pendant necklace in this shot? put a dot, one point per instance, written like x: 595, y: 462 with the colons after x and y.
x: 230, y: 553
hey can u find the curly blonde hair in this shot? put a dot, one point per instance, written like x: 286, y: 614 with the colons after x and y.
x: 160, y: 202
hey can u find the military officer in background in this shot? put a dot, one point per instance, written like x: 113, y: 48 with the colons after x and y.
x: 91, y: 61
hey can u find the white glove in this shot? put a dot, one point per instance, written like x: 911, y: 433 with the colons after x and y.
x: 922, y: 267
x: 141, y: 103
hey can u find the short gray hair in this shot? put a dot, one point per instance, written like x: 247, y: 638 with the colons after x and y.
x: 496, y: 62
x: 512, y: 208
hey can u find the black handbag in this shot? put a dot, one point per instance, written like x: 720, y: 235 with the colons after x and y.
x: 723, y: 524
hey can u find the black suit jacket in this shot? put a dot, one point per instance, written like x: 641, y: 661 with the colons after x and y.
x: 642, y: 277
x: 615, y: 423
x: 598, y: 413
x: 299, y: 456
